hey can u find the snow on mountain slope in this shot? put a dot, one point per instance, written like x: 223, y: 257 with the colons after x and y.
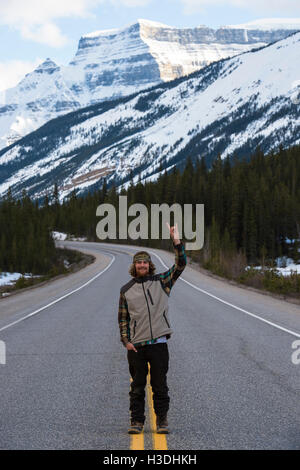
x: 113, y: 63
x: 229, y: 106
x: 40, y: 96
x: 267, y: 24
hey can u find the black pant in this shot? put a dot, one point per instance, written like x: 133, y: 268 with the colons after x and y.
x: 157, y: 355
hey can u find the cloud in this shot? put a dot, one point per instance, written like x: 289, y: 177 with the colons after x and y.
x: 47, y: 33
x: 11, y: 72
x: 268, y: 7
x: 35, y: 19
x: 131, y: 3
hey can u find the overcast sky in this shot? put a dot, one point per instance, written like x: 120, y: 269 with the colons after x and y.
x: 32, y: 30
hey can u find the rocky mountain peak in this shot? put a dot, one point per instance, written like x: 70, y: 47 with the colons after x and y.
x: 117, y: 62
x: 48, y: 66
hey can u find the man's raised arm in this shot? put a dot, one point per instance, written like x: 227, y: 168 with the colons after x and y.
x: 169, y: 277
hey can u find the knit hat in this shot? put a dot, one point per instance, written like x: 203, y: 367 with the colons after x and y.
x: 141, y: 256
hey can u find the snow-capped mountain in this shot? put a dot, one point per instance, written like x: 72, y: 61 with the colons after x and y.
x: 231, y: 105
x: 39, y: 97
x: 113, y: 63
x: 268, y: 24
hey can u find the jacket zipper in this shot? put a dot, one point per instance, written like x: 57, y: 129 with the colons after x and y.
x: 148, y: 310
x: 150, y: 296
x: 134, y: 328
x: 166, y: 319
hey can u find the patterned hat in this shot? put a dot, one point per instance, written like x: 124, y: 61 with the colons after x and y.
x: 141, y: 256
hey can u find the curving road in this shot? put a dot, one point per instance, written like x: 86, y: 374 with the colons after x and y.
x: 65, y: 383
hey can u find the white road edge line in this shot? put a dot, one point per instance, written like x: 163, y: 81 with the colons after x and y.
x: 61, y: 298
x: 297, y: 335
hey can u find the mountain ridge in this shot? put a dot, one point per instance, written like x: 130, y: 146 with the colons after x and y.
x: 228, y: 107
x: 108, y: 65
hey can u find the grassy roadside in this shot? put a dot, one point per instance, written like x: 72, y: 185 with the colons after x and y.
x: 233, y: 269
x: 68, y: 261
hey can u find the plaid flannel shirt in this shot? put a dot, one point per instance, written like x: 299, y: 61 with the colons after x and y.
x: 167, y: 278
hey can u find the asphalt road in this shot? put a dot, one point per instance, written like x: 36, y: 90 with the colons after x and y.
x: 65, y: 383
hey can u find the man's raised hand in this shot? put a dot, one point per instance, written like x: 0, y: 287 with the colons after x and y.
x: 174, y: 233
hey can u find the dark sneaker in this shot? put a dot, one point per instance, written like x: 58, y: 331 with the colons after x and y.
x: 162, y: 425
x: 135, y: 427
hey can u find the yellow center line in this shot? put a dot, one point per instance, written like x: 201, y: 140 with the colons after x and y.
x: 137, y: 441
x: 159, y: 440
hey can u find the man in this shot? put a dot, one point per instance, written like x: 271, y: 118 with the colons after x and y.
x: 144, y: 330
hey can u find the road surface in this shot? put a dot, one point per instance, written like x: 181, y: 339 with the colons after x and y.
x: 65, y: 383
